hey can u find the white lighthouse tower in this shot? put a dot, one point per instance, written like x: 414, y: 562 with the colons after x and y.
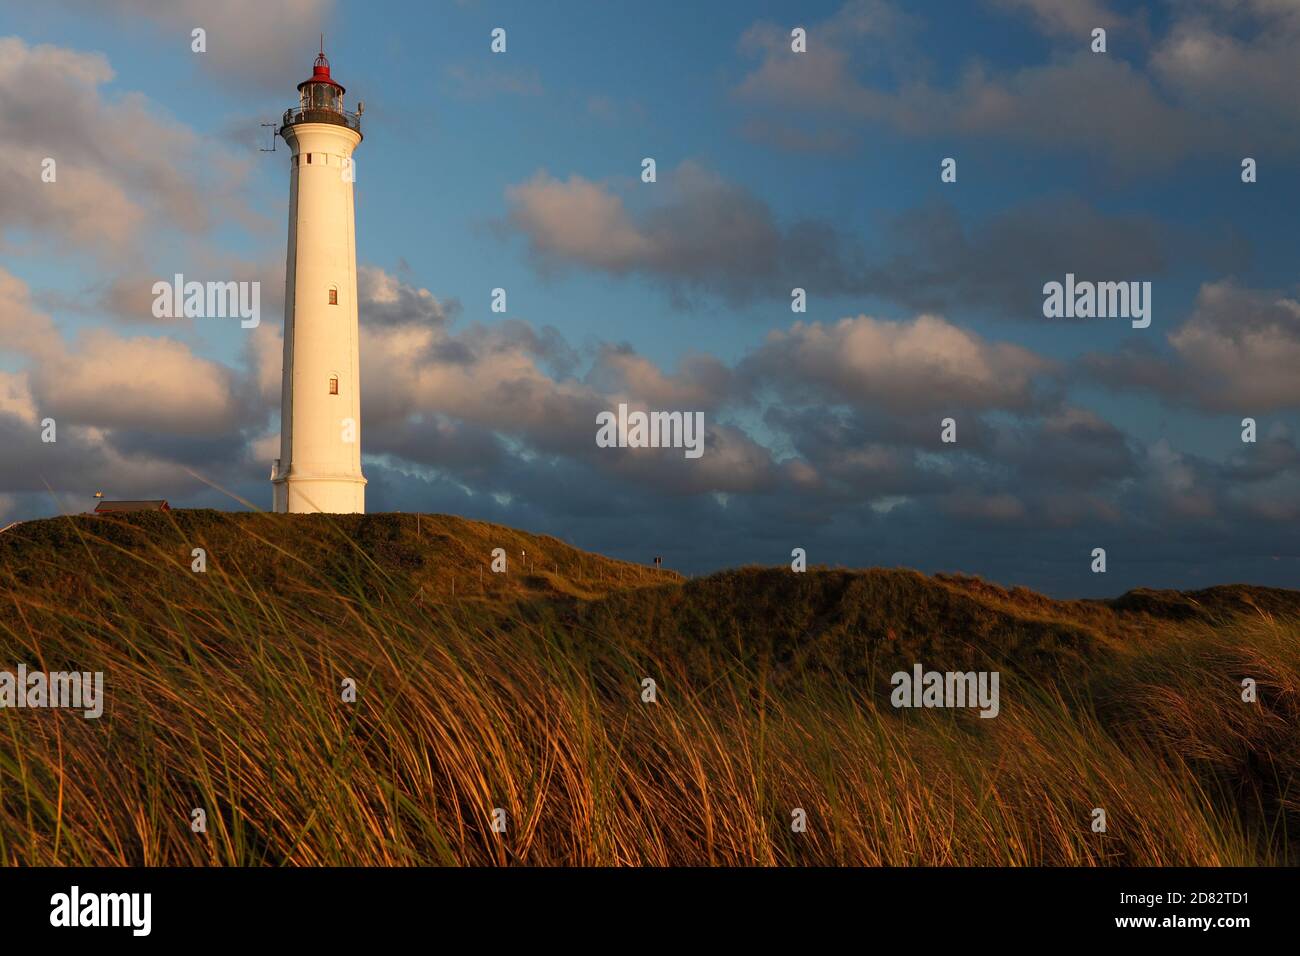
x: 319, y: 468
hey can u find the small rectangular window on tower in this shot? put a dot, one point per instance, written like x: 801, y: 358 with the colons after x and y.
x: 334, y: 296
x: 334, y: 384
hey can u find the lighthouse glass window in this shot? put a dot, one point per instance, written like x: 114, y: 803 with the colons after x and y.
x: 334, y: 384
x: 321, y: 96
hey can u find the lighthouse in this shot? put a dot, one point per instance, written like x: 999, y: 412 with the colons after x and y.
x: 319, y: 468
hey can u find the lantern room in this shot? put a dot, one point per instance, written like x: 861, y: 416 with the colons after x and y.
x: 321, y: 92
x: 320, y: 99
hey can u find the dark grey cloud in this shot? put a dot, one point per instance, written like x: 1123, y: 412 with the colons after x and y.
x: 705, y: 235
x: 928, y: 258
x: 1211, y: 80
x: 807, y: 446
x: 710, y: 236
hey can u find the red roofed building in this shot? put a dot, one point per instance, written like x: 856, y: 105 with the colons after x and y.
x: 113, y: 507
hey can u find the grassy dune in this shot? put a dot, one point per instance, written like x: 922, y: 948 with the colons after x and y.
x: 522, y: 691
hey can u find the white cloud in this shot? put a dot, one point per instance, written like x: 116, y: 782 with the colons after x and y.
x: 1241, y: 349
x: 124, y: 171
x: 250, y: 43
x: 914, y: 366
x: 107, y: 381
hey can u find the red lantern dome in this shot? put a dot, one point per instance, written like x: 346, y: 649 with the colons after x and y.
x: 320, y: 73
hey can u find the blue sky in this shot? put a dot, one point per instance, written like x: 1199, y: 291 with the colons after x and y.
x: 819, y: 169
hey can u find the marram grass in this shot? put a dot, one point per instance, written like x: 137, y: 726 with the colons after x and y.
x: 523, y: 692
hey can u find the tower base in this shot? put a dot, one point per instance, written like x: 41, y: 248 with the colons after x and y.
x: 339, y: 496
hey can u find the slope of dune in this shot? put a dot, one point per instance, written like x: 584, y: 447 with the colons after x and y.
x: 526, y: 691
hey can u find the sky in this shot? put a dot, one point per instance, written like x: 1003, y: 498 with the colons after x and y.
x: 775, y: 170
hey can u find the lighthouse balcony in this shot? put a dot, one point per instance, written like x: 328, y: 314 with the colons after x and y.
x: 307, y: 114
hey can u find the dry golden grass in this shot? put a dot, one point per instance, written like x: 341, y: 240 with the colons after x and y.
x: 524, y: 693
